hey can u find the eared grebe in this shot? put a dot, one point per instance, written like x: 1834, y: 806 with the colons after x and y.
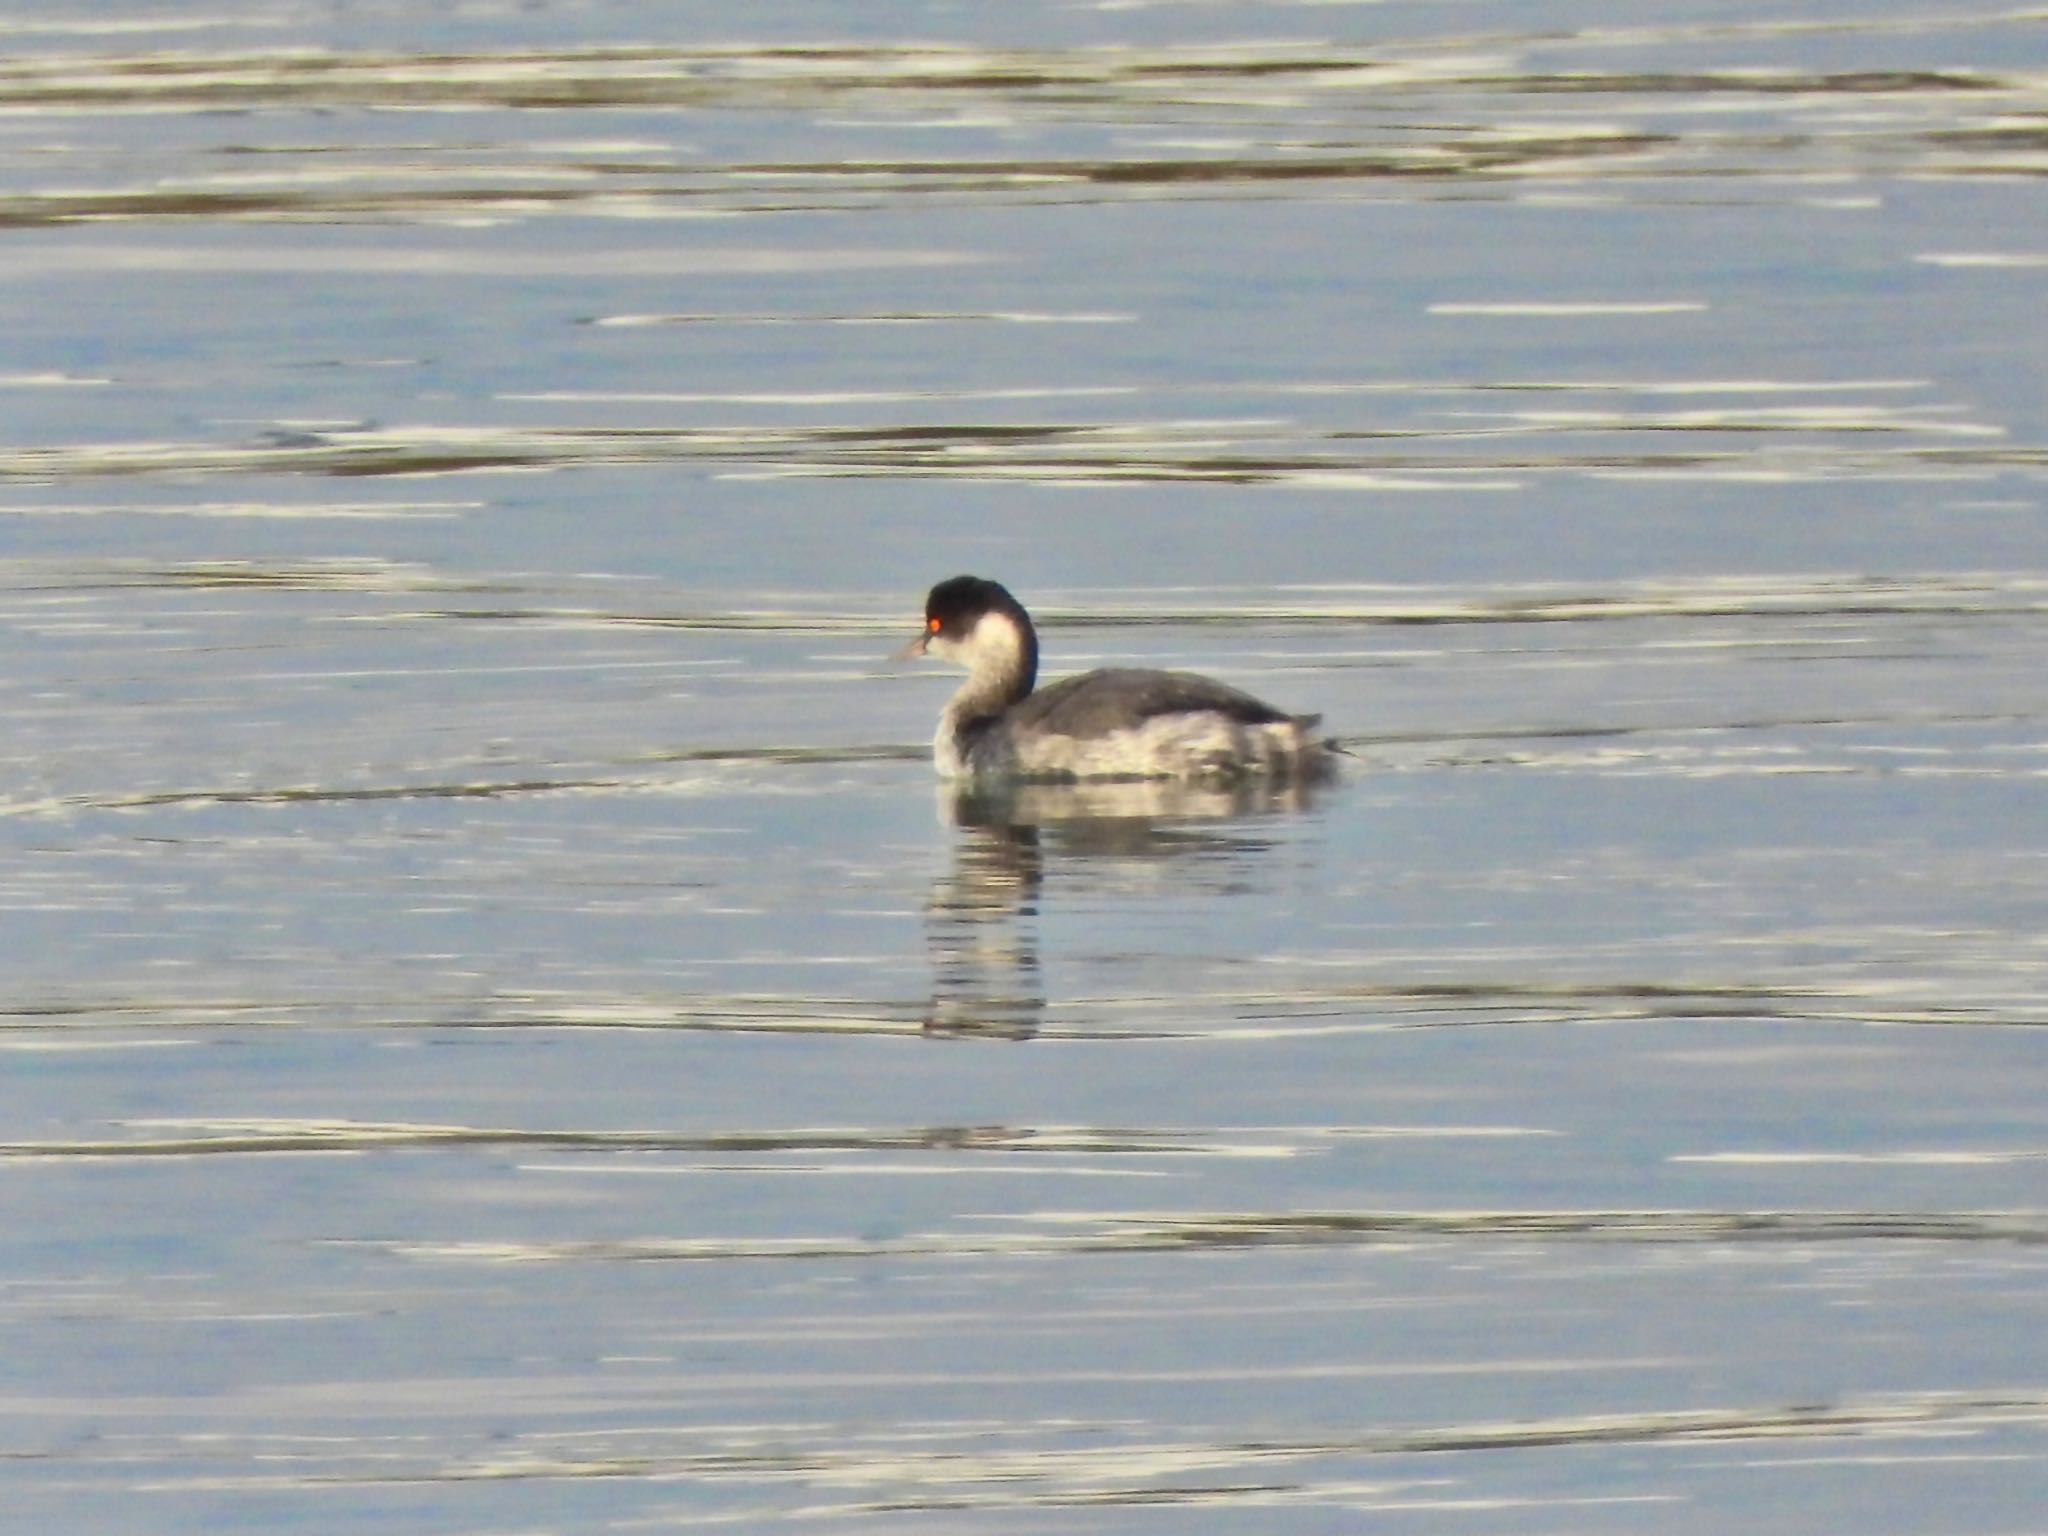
x: 1121, y: 723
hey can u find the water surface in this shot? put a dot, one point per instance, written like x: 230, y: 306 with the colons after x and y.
x: 503, y: 1031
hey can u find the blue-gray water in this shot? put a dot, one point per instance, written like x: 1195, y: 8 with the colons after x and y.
x: 501, y: 1033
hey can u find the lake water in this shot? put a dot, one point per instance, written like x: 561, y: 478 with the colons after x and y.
x: 502, y: 1032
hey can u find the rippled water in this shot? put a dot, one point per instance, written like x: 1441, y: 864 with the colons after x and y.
x: 502, y: 1031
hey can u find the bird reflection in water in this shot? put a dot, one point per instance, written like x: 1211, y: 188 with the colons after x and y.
x: 981, y: 922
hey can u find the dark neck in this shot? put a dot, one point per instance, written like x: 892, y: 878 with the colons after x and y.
x: 994, y: 687
x: 1002, y: 666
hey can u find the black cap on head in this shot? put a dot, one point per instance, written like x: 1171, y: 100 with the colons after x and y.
x: 956, y: 604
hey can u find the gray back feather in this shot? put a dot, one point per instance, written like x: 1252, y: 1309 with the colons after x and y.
x: 1097, y: 703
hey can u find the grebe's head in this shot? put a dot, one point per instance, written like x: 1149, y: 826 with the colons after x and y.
x: 976, y: 624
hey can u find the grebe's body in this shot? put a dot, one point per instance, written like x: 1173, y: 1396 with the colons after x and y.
x: 1120, y: 723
